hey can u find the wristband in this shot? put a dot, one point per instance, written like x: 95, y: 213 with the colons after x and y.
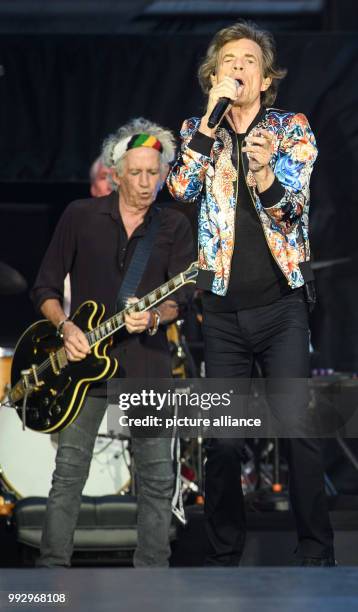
x: 153, y: 330
x: 59, y: 328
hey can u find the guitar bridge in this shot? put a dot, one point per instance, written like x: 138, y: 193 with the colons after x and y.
x: 33, y: 371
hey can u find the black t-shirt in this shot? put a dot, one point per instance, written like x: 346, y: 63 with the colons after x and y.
x: 255, y: 277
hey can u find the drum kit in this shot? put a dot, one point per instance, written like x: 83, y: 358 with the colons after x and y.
x: 29, y: 473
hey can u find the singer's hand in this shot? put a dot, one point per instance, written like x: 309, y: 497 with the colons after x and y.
x: 259, y: 147
x: 227, y: 88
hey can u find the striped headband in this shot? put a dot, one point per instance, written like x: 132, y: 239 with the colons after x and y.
x: 132, y: 142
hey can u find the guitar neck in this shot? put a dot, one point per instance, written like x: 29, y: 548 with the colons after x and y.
x: 115, y: 323
x: 57, y: 360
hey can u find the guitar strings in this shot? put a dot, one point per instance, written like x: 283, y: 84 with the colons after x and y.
x: 118, y: 319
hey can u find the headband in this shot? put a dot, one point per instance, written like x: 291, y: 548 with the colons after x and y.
x: 132, y: 142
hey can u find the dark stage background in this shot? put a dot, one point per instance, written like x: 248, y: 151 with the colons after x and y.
x: 62, y: 94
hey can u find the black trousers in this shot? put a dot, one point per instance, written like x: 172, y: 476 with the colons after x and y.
x: 277, y: 337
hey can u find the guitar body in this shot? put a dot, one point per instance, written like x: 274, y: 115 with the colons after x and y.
x: 52, y: 388
x: 56, y: 401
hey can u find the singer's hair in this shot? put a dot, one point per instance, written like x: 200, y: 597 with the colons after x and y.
x: 137, y: 126
x: 249, y: 30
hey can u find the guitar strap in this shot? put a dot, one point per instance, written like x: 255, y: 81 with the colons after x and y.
x: 138, y: 262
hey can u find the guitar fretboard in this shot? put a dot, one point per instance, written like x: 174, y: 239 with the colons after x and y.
x: 58, y: 360
x: 113, y: 324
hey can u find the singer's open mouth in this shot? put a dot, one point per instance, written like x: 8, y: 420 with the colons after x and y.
x: 239, y: 81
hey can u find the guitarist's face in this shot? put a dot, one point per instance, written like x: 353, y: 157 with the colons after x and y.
x: 141, y: 179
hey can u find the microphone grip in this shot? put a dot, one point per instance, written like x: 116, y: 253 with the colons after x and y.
x: 218, y: 111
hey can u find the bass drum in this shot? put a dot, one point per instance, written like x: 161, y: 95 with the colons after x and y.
x: 27, y: 460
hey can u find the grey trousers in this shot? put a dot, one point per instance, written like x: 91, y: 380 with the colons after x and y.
x: 155, y: 481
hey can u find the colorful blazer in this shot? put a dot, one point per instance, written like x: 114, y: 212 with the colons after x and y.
x: 206, y: 171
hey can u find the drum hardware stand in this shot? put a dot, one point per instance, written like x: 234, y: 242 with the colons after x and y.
x: 277, y: 487
x: 269, y: 493
x: 199, y: 469
x: 190, y: 366
x: 200, y: 464
x: 131, y: 467
x: 276, y: 496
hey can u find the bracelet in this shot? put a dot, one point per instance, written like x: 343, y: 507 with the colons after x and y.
x: 59, y: 328
x: 153, y: 330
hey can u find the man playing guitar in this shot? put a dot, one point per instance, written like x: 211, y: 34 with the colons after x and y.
x: 94, y: 242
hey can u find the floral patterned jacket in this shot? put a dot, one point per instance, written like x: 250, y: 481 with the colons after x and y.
x: 206, y: 171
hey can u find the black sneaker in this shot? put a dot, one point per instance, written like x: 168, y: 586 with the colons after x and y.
x: 318, y: 562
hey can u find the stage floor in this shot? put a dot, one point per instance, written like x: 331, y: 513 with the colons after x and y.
x: 197, y: 589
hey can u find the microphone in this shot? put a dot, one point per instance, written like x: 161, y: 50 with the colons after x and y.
x: 220, y: 109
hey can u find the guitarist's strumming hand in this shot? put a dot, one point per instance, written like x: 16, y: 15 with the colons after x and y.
x: 75, y: 342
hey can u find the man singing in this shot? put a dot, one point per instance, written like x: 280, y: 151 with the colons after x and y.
x: 250, y: 176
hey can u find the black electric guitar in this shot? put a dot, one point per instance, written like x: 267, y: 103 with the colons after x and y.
x: 52, y: 388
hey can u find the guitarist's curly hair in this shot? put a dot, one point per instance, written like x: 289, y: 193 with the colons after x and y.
x: 134, y: 127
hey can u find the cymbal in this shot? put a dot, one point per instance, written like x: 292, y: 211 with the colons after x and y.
x: 11, y: 281
x: 320, y: 265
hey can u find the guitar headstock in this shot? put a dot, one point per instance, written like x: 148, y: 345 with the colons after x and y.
x: 191, y: 273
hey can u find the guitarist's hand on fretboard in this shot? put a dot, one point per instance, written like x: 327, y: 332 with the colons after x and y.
x: 138, y: 322
x: 75, y: 342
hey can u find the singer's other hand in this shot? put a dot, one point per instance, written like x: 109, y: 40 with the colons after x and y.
x: 227, y: 88
x: 259, y: 149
